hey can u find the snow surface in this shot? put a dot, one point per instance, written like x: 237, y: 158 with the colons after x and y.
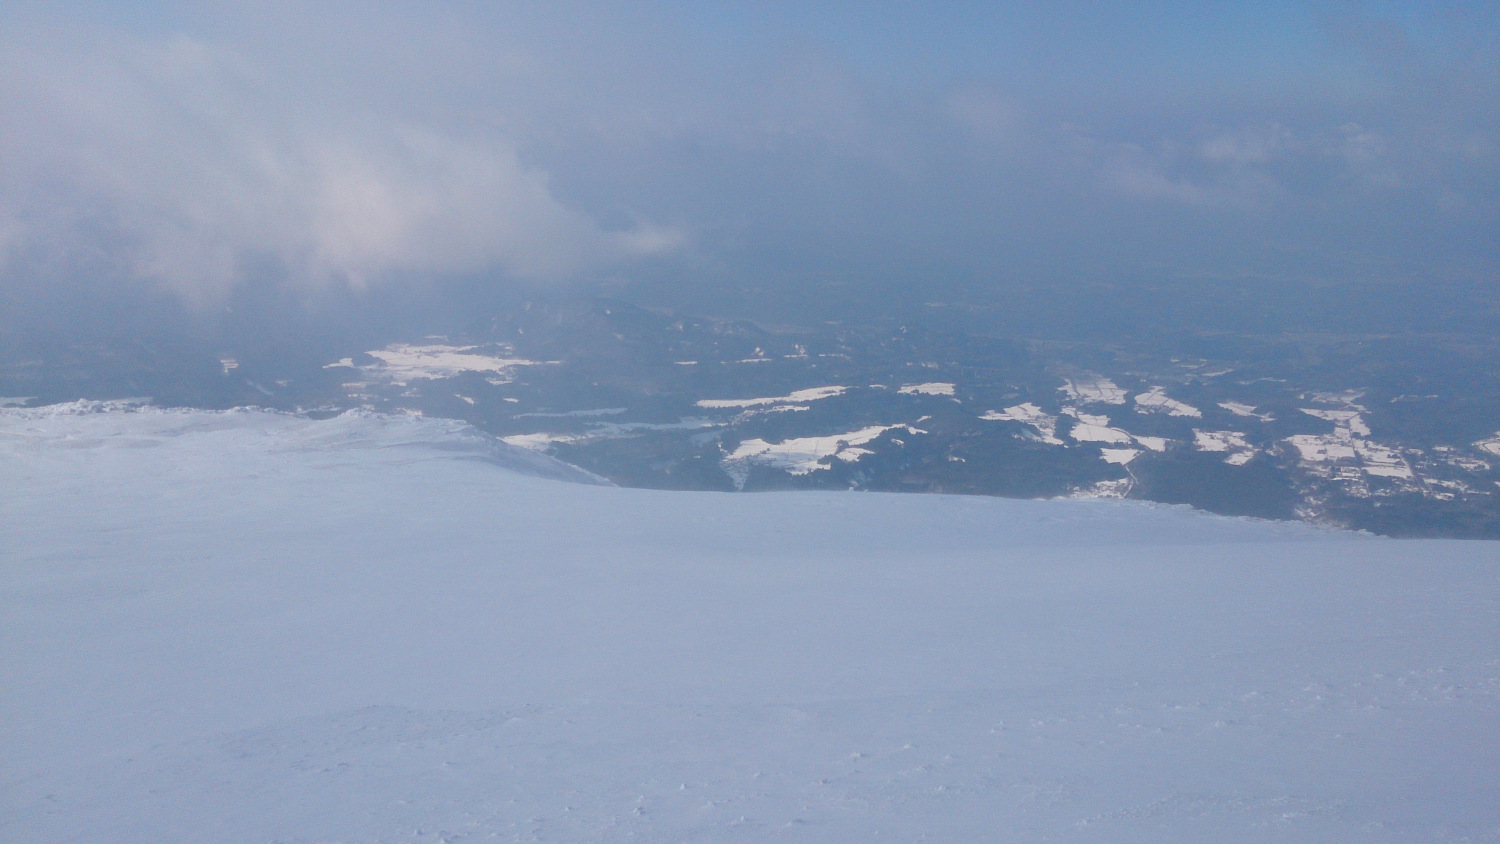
x: 1491, y: 445
x: 1342, y: 419
x: 931, y: 388
x: 1095, y: 428
x: 250, y: 627
x: 1156, y: 400
x: 1092, y: 389
x: 1347, y: 443
x: 1318, y: 448
x: 1242, y: 409
x: 1233, y: 443
x: 544, y: 440
x: 811, y: 394
x: 1121, y: 456
x: 801, y: 455
x: 568, y: 414
x: 1029, y: 414
x: 401, y: 363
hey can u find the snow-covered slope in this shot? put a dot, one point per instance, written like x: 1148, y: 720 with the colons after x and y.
x: 249, y: 627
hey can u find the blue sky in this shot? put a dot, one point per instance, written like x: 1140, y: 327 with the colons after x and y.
x: 189, y: 147
x: 904, y: 40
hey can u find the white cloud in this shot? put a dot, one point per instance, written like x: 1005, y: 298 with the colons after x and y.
x: 189, y: 161
x: 1255, y: 145
x: 346, y: 143
x: 1137, y: 173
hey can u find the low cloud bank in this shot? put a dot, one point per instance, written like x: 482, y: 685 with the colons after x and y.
x: 187, y: 164
x: 201, y: 149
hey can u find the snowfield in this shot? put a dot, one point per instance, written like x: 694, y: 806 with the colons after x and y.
x: 932, y: 388
x: 401, y: 363
x: 1095, y: 428
x: 1092, y: 389
x: 801, y: 455
x: 1156, y: 400
x: 253, y: 627
x: 1239, y: 451
x: 1029, y: 414
x: 811, y: 394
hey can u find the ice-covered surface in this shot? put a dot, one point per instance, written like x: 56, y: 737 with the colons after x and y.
x: 1237, y: 450
x: 1242, y: 409
x: 106, y: 426
x: 1319, y: 448
x: 1342, y: 419
x: 569, y: 414
x: 542, y: 441
x: 249, y: 627
x: 1095, y: 428
x: 811, y: 394
x: 932, y: 388
x: 800, y: 455
x: 1090, y: 428
x: 1347, y: 445
x: 1090, y: 389
x: 401, y: 363
x: 1112, y: 489
x: 1490, y: 446
x: 1156, y: 400
x: 1121, y: 456
x: 1029, y: 414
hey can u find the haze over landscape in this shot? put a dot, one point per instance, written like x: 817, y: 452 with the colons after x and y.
x: 441, y: 421
x: 217, y: 150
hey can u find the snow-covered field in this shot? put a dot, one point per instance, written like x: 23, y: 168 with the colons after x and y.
x: 801, y: 455
x: 812, y: 394
x: 1089, y: 389
x: 1239, y: 451
x: 543, y: 441
x: 401, y: 363
x: 1491, y: 445
x: 1029, y: 414
x: 1156, y: 400
x: 1242, y: 409
x: 1095, y: 428
x: 247, y: 627
x: 932, y: 388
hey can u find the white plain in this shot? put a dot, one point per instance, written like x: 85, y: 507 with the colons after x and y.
x: 250, y: 627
